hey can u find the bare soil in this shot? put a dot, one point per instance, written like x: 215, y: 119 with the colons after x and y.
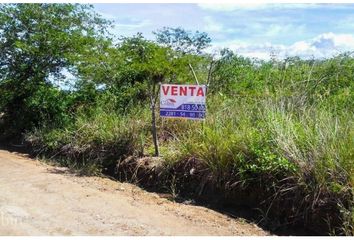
x: 39, y: 199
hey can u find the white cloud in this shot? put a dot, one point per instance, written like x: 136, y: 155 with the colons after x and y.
x: 133, y: 25
x: 275, y: 30
x: 340, y: 41
x: 211, y: 25
x: 229, y: 7
x: 323, y: 46
x: 106, y: 15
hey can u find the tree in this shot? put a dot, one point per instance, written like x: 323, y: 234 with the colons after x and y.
x: 150, y: 63
x: 183, y: 41
x: 189, y: 45
x: 231, y: 70
x: 38, y: 41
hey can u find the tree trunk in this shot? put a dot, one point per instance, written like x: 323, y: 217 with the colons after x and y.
x: 154, y: 131
x: 153, y: 121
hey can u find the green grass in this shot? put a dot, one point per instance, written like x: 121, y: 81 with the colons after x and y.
x: 271, y: 140
x: 278, y: 124
x: 96, y: 140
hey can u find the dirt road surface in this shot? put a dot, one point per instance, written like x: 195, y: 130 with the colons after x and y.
x: 39, y: 199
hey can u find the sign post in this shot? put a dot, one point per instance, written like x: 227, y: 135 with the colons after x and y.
x: 183, y: 101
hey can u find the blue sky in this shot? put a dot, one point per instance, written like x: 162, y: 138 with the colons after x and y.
x: 255, y: 30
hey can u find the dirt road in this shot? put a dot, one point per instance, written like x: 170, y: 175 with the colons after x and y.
x: 38, y: 199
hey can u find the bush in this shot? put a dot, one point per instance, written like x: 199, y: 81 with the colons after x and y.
x: 95, y: 138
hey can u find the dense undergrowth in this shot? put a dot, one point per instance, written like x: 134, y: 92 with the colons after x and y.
x: 278, y: 135
x: 293, y: 147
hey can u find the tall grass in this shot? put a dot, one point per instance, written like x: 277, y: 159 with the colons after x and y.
x: 289, y: 123
x: 96, y: 140
x: 272, y: 140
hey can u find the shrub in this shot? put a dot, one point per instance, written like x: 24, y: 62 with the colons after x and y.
x: 97, y: 138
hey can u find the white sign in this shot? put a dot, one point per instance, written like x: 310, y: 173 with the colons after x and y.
x: 182, y: 101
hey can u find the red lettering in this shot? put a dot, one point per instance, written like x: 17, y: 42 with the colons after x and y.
x: 174, y: 90
x: 200, y: 92
x: 165, y: 89
x: 183, y: 91
x: 192, y: 90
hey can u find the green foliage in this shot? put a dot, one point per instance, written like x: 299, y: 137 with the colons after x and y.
x: 183, y: 41
x: 231, y: 71
x: 146, y: 58
x: 266, y: 121
x: 37, y: 42
x: 46, y: 106
x: 231, y: 139
x: 97, y: 138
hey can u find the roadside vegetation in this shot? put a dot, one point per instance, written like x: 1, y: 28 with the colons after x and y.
x: 278, y: 135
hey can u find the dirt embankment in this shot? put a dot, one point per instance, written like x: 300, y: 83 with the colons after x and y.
x: 38, y: 199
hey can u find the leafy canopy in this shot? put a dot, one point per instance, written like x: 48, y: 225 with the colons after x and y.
x: 183, y: 41
x: 38, y: 41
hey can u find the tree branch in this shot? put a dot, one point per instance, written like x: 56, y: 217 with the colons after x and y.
x: 210, y: 72
x: 195, y: 76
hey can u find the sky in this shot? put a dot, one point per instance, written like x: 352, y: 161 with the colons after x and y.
x: 254, y: 30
